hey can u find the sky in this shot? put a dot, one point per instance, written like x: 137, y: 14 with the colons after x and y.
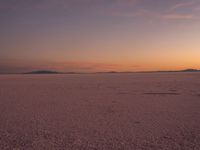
x: 99, y: 35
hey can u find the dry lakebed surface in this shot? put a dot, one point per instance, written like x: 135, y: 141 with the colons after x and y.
x: 122, y: 111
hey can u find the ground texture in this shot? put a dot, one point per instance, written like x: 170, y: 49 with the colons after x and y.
x: 150, y: 111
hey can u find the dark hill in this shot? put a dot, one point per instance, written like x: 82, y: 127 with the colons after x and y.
x: 190, y: 70
x: 43, y: 72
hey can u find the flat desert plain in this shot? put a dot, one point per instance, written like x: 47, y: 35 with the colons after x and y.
x: 141, y: 111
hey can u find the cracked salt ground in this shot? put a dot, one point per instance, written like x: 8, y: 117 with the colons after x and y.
x: 116, y: 111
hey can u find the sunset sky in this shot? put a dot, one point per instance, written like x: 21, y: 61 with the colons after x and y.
x: 99, y: 35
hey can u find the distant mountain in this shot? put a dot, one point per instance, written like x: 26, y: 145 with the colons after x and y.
x: 164, y: 71
x: 110, y: 72
x: 190, y: 70
x: 43, y: 72
x: 186, y: 70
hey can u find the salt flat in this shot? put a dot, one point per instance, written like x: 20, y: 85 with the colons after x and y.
x: 141, y: 111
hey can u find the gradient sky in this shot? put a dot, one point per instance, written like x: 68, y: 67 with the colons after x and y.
x: 99, y: 35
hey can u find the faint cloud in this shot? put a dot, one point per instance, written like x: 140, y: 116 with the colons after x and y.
x: 183, y: 10
x: 182, y: 5
x: 138, y: 13
x: 178, y: 17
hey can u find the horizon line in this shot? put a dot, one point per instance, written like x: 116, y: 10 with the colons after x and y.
x: 98, y: 72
